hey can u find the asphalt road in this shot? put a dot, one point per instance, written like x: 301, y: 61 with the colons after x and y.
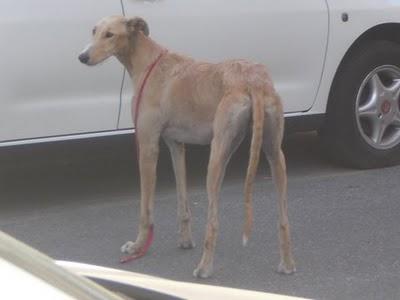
x: 78, y: 201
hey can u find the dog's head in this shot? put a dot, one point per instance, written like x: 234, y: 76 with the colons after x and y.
x: 112, y: 36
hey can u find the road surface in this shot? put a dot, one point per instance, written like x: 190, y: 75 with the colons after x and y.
x: 79, y: 201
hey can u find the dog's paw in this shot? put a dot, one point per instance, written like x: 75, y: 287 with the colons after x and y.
x: 203, y: 271
x: 129, y: 248
x: 186, y: 244
x: 286, y: 269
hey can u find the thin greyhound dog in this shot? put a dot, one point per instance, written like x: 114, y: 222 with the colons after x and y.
x: 186, y: 101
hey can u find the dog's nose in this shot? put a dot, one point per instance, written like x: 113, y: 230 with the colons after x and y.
x: 84, y: 58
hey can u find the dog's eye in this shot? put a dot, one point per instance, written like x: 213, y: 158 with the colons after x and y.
x: 109, y: 34
x: 94, y: 31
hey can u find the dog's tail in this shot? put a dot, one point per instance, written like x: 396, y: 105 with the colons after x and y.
x: 255, y: 149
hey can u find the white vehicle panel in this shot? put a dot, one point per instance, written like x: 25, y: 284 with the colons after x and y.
x: 47, y: 95
x: 45, y: 91
x: 289, y: 37
x: 19, y: 284
x: 363, y: 15
x: 179, y: 289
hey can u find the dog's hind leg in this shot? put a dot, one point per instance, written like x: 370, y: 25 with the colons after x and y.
x: 230, y: 124
x: 273, y: 133
x: 177, y: 151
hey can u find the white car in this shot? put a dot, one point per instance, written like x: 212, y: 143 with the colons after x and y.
x: 335, y: 63
x: 28, y: 274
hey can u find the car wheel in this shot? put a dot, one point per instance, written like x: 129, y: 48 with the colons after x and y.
x: 362, y: 126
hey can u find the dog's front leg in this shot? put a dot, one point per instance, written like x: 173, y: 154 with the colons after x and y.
x: 184, y: 215
x: 148, y: 156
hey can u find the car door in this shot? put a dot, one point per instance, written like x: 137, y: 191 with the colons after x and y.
x: 288, y: 36
x: 45, y: 91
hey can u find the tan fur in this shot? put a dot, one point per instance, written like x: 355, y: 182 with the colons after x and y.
x: 256, y: 143
x: 186, y: 101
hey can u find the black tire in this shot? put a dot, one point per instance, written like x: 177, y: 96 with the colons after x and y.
x: 340, y: 134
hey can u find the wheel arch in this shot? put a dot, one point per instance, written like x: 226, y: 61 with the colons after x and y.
x: 385, y: 31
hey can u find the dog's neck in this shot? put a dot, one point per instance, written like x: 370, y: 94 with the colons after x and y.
x: 140, y: 56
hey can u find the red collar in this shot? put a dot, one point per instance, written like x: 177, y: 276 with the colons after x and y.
x: 139, y: 94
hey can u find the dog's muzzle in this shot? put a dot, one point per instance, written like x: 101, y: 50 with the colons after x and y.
x: 84, y: 58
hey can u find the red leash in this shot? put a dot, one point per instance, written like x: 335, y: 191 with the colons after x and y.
x: 139, y: 97
x: 142, y: 251
x: 142, y: 86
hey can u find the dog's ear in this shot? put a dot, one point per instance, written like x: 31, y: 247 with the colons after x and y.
x: 137, y: 24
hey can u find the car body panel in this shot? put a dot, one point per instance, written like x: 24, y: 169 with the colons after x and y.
x: 25, y: 268
x: 363, y: 15
x: 45, y: 91
x: 271, y: 32
x: 184, y: 290
x: 88, y: 107
x: 33, y: 287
